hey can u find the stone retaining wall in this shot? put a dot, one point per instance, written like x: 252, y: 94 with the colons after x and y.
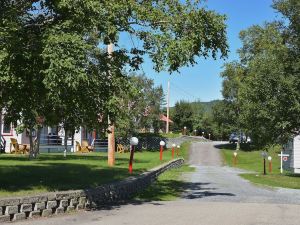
x: 13, y: 209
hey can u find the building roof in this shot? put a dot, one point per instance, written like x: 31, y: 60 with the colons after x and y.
x: 164, y: 118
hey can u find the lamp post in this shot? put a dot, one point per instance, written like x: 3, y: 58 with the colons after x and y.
x: 162, y: 144
x: 184, y: 130
x: 173, y: 149
x: 202, y: 133
x: 178, y: 148
x: 238, y: 145
x: 234, y: 158
x: 195, y: 132
x: 264, y: 155
x: 209, y: 136
x: 133, y: 142
x: 270, y: 164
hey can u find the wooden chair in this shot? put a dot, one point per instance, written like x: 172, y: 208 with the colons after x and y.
x: 17, y: 148
x: 86, y: 145
x: 120, y: 148
x: 81, y: 149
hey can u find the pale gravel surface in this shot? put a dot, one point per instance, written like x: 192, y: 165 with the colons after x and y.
x: 214, y: 182
x: 215, y: 195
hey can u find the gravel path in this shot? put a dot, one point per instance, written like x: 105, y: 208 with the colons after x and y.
x: 215, y: 195
x: 214, y: 182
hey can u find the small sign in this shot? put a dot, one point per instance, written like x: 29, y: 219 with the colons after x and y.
x: 283, y: 158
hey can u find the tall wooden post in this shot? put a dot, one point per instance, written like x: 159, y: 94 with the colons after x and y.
x: 111, y: 127
x: 168, y: 110
x: 1, y: 130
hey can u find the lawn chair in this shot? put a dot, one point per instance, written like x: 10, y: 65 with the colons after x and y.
x: 81, y: 149
x: 17, y: 148
x: 86, y: 145
x: 120, y: 148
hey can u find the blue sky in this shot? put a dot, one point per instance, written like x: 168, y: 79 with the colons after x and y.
x: 202, y: 82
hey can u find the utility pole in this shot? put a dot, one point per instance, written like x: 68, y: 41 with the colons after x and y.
x: 111, y: 127
x: 168, y: 108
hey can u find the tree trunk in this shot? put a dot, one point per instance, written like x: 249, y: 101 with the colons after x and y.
x: 72, y: 143
x: 66, y: 138
x: 31, y: 151
x: 38, y: 141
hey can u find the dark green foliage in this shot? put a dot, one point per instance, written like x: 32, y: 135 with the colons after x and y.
x: 183, y: 116
x: 53, y: 61
x: 140, y: 107
x: 263, y: 88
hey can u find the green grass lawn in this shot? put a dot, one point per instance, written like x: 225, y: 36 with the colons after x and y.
x: 169, y: 185
x: 171, y: 135
x: 163, y: 135
x: 252, y: 161
x: 51, y: 172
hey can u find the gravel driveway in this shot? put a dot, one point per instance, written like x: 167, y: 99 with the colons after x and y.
x: 215, y: 195
x: 214, y: 182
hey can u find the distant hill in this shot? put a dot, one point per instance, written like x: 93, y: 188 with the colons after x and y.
x: 206, y: 106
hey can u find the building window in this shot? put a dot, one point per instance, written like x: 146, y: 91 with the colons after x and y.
x: 7, y: 128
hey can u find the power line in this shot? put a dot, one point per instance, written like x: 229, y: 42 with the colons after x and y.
x: 183, y: 91
x: 176, y: 87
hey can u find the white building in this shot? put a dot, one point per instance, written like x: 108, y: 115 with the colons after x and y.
x: 51, y: 140
x: 292, y: 148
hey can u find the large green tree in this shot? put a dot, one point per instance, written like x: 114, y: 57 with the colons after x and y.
x: 182, y: 116
x: 268, y: 94
x: 270, y: 97
x: 52, y: 61
x: 140, y: 106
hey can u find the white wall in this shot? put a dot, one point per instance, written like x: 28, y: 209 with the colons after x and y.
x: 296, y: 157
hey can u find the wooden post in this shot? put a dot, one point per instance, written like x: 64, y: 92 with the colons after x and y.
x: 234, y: 158
x: 131, y: 159
x: 168, y: 110
x: 111, y: 128
x: 173, y: 152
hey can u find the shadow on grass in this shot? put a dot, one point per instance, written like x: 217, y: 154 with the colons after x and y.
x: 58, y: 176
x: 292, y: 175
x: 59, y: 157
x: 243, y: 147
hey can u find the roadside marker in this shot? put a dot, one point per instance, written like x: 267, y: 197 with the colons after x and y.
x: 283, y: 157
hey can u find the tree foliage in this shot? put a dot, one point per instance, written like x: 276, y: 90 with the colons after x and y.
x: 53, y: 62
x: 140, y: 106
x: 267, y: 91
x: 182, y: 116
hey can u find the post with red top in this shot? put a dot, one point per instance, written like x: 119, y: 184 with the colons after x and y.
x: 173, y: 150
x: 162, y: 144
x: 133, y: 142
x: 270, y: 164
x: 234, y: 158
